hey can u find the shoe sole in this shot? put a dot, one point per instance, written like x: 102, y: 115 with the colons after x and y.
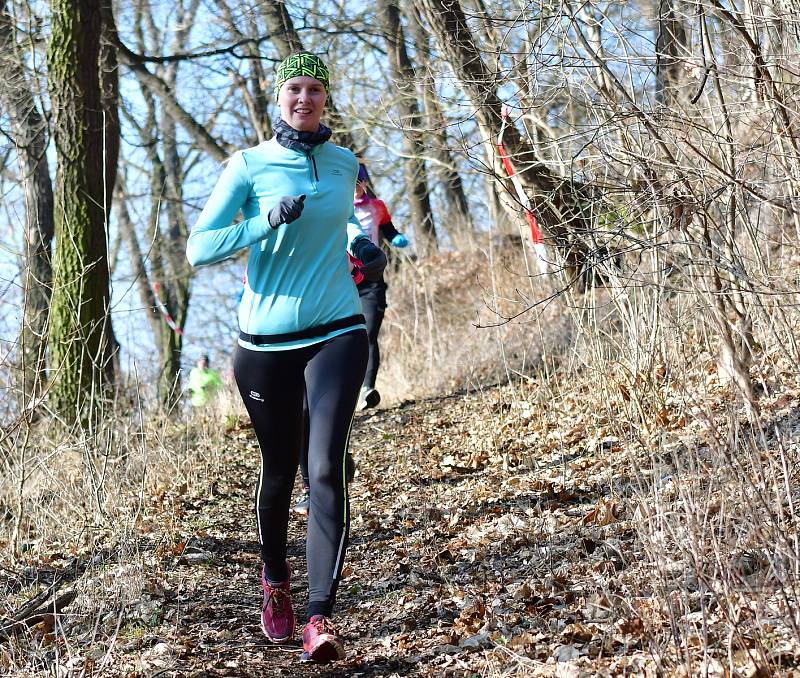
x: 276, y: 641
x: 327, y: 649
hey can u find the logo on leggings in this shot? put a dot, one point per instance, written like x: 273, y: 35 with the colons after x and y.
x: 255, y: 395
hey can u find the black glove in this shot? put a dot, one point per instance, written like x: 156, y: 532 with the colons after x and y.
x: 372, y: 258
x: 286, y: 211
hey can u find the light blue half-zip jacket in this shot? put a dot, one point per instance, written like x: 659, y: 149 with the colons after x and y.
x: 298, y: 275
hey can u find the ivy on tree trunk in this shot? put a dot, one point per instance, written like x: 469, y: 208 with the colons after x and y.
x: 83, y: 85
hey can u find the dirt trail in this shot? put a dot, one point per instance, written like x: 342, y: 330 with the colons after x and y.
x: 455, y: 566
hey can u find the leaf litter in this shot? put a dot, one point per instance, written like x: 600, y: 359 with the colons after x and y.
x: 491, y: 534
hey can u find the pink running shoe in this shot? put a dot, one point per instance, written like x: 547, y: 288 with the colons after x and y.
x: 320, y: 641
x: 277, y: 615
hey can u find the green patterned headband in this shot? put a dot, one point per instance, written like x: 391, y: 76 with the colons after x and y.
x: 304, y: 63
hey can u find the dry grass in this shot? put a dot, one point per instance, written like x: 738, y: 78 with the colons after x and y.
x: 447, y: 328
x: 94, y: 511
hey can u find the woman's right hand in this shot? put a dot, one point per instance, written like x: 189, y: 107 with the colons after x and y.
x: 288, y: 209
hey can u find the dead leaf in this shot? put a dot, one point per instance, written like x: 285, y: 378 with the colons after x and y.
x: 565, y: 653
x: 604, y: 513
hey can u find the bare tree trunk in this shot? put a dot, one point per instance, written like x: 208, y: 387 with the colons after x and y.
x: 83, y: 89
x: 444, y: 165
x: 175, y: 286
x: 413, y: 147
x: 29, y: 131
x: 281, y: 28
x: 559, y: 203
x: 670, y: 52
x: 108, y: 160
x: 165, y: 287
x: 734, y: 322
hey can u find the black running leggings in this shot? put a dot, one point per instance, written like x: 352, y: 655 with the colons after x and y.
x: 272, y: 384
x: 373, y: 305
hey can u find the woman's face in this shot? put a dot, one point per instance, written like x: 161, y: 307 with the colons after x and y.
x: 302, y: 100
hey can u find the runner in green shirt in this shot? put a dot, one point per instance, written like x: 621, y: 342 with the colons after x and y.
x: 203, y: 382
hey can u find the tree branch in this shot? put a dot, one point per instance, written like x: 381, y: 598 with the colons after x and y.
x: 219, y: 150
x: 202, y: 54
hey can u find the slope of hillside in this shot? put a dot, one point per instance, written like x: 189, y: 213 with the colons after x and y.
x: 504, y: 531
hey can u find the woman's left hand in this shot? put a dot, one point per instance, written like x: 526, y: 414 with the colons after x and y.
x: 372, y: 258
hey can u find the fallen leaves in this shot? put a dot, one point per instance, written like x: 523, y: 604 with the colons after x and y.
x: 606, y: 512
x: 489, y: 534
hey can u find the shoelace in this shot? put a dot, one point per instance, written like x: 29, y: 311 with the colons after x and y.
x: 279, y: 599
x: 324, y: 625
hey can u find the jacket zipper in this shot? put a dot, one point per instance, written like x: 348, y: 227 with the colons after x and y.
x: 314, y: 162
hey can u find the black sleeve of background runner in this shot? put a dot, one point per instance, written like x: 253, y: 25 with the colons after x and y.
x: 388, y: 230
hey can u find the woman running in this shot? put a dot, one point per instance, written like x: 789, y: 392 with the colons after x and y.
x: 301, y: 331
x: 376, y: 222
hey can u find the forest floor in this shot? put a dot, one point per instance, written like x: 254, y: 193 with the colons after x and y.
x: 485, y: 541
x: 444, y: 575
